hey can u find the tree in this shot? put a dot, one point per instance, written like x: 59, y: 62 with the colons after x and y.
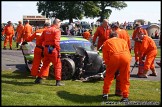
x: 61, y: 9
x: 105, y: 12
x: 77, y: 9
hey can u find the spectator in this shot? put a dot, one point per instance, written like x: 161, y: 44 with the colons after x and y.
x: 156, y: 35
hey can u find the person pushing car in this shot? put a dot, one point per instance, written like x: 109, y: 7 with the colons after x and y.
x: 38, y: 51
x: 51, y: 38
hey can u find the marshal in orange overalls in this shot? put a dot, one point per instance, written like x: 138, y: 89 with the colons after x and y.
x: 37, y: 53
x: 51, y: 37
x: 117, y: 58
x: 9, y: 33
x: 137, y: 44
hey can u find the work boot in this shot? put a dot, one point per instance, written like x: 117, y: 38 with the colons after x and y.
x: 38, y: 80
x: 153, y: 72
x: 4, y: 48
x: 17, y: 45
x: 10, y: 48
x: 105, y: 96
x: 124, y: 100
x: 58, y: 83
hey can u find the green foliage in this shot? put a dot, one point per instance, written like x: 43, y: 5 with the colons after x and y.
x: 18, y: 89
x: 77, y: 9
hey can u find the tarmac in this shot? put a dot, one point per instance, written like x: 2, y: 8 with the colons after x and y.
x: 13, y: 60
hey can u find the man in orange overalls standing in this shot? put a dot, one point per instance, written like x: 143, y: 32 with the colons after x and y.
x: 102, y: 33
x: 27, y: 32
x: 9, y: 33
x: 117, y: 58
x: 137, y: 43
x: 19, y: 33
x: 148, y: 49
x: 51, y: 39
x: 38, y: 51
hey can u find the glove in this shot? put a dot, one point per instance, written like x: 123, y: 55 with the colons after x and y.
x: 24, y: 43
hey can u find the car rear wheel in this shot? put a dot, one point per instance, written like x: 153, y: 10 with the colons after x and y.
x: 68, y: 69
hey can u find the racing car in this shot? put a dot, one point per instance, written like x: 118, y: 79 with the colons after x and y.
x: 78, y: 56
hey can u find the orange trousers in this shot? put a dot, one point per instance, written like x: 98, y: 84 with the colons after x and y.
x: 8, y: 38
x: 36, y: 63
x: 136, y: 51
x: 119, y: 62
x: 56, y: 61
x: 149, y: 62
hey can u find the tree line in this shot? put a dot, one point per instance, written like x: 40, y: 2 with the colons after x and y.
x: 78, y: 9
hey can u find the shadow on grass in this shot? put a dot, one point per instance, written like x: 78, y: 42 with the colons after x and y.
x: 82, y: 98
x: 16, y: 77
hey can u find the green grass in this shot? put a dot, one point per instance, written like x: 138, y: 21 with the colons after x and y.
x: 18, y: 89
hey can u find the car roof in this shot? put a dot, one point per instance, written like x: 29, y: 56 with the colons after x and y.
x: 77, y: 38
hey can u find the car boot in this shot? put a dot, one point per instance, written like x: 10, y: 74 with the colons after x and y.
x: 38, y: 80
x: 58, y: 83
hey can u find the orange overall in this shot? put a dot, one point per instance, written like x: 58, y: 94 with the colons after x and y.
x: 148, y: 48
x: 123, y: 34
x: 19, y: 31
x: 27, y: 31
x: 8, y: 32
x: 37, y: 53
x: 117, y: 58
x: 86, y: 35
x: 51, y: 37
x: 137, y: 44
x: 102, y: 34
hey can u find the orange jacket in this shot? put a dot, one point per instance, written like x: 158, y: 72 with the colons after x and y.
x: 147, y: 46
x: 103, y: 35
x: 27, y: 31
x: 19, y: 30
x: 86, y: 35
x: 135, y: 35
x: 114, y: 46
x: 51, y: 36
x: 36, y: 35
x: 123, y: 34
x: 8, y: 30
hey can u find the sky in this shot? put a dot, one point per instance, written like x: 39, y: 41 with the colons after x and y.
x: 148, y: 10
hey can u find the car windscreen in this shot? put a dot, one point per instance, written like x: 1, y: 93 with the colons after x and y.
x: 68, y: 46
